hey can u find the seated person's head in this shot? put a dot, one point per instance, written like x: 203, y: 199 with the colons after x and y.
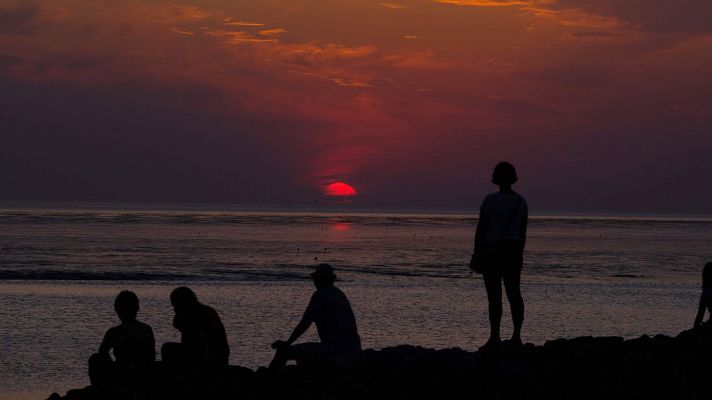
x: 182, y: 298
x: 126, y: 305
x: 323, y: 275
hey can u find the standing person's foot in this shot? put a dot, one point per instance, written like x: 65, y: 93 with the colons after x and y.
x: 516, y: 341
x: 492, y: 342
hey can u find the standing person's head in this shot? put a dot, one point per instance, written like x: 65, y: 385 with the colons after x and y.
x: 126, y: 306
x: 323, y: 275
x: 182, y: 299
x: 707, y: 275
x: 504, y: 174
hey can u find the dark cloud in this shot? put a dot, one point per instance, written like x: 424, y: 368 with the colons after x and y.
x: 598, y: 34
x: 141, y: 142
x: 521, y: 107
x: 8, y: 61
x: 662, y: 16
x: 74, y: 62
x: 576, y: 75
x: 19, y: 19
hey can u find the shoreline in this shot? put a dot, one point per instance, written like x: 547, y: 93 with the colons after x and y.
x: 583, y: 367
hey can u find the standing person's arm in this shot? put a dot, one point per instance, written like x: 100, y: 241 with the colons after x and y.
x: 479, y: 237
x: 481, y: 229
x: 523, y: 228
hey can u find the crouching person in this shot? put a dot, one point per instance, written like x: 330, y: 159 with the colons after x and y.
x: 132, y: 343
x: 331, y: 312
x: 203, y: 339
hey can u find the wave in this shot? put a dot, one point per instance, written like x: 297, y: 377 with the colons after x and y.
x: 48, y: 275
x: 281, y: 273
x: 324, y: 219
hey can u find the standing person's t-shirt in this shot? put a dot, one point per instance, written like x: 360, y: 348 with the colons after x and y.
x: 504, y: 213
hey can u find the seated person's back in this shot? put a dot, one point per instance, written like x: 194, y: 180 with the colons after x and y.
x: 132, y: 343
x: 334, y: 319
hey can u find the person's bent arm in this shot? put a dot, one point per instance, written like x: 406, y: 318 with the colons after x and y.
x: 152, y: 343
x: 299, y: 330
x: 302, y: 326
x: 106, y: 343
x: 700, y: 314
x: 296, y: 333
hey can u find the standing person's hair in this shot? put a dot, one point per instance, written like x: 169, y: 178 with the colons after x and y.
x: 504, y: 174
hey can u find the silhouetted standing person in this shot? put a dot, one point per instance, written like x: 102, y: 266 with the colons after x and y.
x: 203, y: 339
x: 499, y: 247
x: 331, y: 311
x: 132, y: 342
x: 706, y: 297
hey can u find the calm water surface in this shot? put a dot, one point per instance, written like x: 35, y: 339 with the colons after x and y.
x: 405, y: 274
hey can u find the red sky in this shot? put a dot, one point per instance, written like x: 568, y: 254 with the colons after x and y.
x: 600, y: 104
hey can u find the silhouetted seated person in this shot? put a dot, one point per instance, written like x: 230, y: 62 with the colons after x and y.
x: 706, y: 297
x: 203, y: 339
x: 132, y: 343
x: 331, y: 311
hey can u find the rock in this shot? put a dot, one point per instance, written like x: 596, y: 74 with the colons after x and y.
x: 581, y: 368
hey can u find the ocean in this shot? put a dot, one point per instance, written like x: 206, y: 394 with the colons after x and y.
x: 405, y: 274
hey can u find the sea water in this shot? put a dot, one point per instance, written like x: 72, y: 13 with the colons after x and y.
x: 405, y: 274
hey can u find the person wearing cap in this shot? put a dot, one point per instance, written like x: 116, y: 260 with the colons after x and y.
x: 331, y: 312
x: 132, y: 343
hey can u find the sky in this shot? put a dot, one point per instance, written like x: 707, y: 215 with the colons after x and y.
x: 600, y: 104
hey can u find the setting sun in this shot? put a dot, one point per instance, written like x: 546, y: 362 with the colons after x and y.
x: 340, y: 189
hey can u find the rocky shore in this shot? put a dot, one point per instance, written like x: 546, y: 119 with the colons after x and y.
x: 582, y: 368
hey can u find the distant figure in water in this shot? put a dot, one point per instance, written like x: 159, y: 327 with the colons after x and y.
x: 132, y: 343
x: 203, y: 339
x: 706, y: 297
x: 331, y: 311
x: 499, y: 247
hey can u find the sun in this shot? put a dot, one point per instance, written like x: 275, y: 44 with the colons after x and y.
x: 340, y: 189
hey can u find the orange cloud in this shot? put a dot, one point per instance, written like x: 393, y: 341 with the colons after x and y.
x: 272, y: 32
x: 393, y: 6
x: 232, y: 37
x: 487, y: 3
x: 229, y: 21
x: 339, y: 81
x: 415, y: 59
x: 182, y: 31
